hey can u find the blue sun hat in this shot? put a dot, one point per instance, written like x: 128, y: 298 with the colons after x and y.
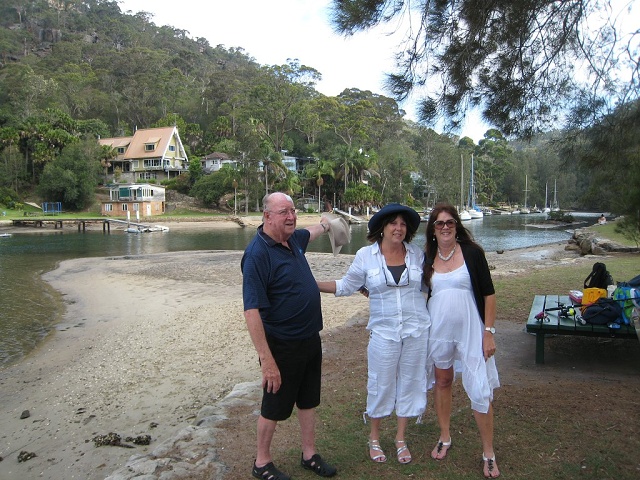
x: 413, y: 217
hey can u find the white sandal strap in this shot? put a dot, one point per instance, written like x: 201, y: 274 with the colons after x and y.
x: 374, y: 445
x: 447, y: 444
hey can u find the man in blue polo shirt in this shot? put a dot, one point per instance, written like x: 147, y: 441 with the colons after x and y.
x: 284, y: 318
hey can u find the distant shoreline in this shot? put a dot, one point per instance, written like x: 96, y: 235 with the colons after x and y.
x: 193, y: 223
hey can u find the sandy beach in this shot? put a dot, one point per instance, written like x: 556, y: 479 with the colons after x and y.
x: 146, y: 345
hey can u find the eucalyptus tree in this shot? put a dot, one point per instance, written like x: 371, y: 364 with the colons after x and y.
x: 496, y: 167
x: 396, y: 160
x: 277, y: 99
x: 227, y: 93
x: 25, y: 93
x: 137, y: 70
x: 309, y: 122
x: 384, y: 117
x: 437, y: 164
x: 251, y: 151
x: 349, y: 122
x: 521, y: 62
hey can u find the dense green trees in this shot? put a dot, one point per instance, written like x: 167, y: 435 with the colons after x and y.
x: 609, y: 153
x: 71, y: 178
x: 84, y: 68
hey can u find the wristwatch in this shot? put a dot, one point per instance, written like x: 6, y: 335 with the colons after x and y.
x: 491, y: 330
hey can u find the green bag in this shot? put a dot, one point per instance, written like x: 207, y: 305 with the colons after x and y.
x: 626, y: 296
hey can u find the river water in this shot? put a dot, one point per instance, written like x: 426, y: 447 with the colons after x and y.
x: 31, y: 309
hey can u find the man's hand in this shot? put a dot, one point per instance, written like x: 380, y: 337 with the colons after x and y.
x: 270, y: 375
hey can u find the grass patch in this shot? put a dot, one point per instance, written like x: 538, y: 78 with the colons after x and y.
x: 608, y: 230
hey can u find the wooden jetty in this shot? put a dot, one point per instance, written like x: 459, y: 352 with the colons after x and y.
x: 56, y: 222
x: 83, y: 222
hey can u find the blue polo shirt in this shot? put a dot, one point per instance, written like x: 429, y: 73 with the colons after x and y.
x: 278, y: 282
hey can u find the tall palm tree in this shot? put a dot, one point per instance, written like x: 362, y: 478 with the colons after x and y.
x: 316, y: 172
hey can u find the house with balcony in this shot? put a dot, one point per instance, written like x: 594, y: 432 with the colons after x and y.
x: 140, y: 200
x: 151, y: 155
x: 214, y: 161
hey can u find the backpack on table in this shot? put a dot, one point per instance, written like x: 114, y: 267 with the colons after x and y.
x: 599, y: 277
x: 604, y: 311
x: 595, y: 285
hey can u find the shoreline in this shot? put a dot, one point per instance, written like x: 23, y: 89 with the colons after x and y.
x: 146, y: 344
x: 187, y: 223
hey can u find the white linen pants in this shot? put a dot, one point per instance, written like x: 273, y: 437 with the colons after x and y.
x: 397, y: 377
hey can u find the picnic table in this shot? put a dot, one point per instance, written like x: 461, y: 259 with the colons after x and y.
x: 554, y: 324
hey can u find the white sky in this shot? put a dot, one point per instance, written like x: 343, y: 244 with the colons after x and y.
x: 273, y: 31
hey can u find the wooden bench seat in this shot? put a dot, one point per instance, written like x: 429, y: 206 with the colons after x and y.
x: 553, y: 324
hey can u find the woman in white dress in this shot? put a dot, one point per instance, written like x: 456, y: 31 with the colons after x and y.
x: 462, y: 307
x: 389, y: 272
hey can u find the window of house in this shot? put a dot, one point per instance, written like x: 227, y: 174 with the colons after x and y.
x: 108, y: 207
x: 152, y: 162
x: 172, y: 148
x: 149, y: 147
x: 125, y: 207
x: 121, y: 150
x: 136, y: 207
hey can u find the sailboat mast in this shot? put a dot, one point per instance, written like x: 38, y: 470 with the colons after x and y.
x: 461, y: 182
x: 546, y: 192
x: 472, y: 187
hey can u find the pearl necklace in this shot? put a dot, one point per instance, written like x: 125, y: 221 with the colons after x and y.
x: 448, y: 257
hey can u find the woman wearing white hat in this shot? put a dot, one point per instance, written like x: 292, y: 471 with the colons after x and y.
x: 389, y: 271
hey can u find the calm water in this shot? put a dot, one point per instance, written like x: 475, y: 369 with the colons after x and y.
x: 30, y: 308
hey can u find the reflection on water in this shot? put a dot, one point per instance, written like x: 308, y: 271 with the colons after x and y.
x: 30, y: 308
